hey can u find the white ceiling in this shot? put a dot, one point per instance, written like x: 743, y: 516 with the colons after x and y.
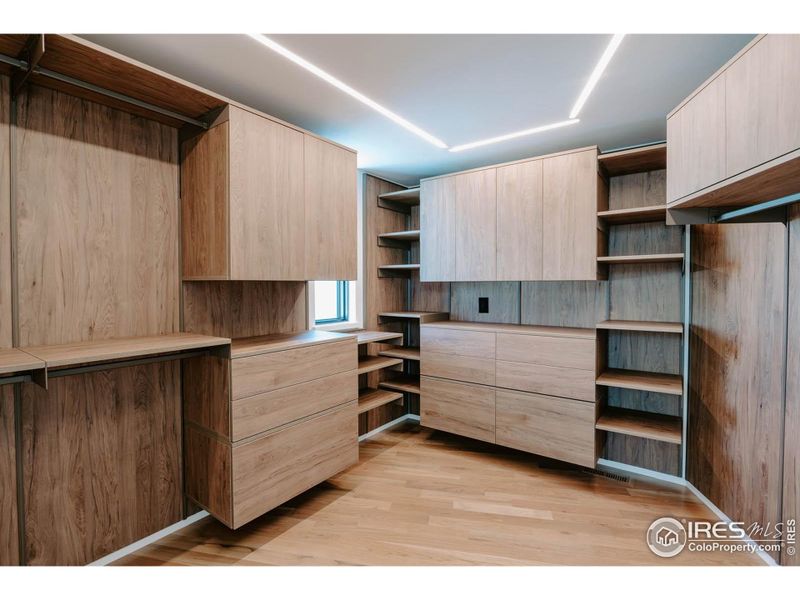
x: 459, y: 88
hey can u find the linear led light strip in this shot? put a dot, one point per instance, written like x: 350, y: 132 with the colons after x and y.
x: 324, y: 75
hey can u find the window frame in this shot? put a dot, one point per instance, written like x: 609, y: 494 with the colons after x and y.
x: 342, y: 305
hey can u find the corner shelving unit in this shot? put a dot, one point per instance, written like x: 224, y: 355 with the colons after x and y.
x: 642, y: 406
x: 370, y: 398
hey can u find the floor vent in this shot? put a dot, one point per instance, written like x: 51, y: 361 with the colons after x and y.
x: 607, y: 475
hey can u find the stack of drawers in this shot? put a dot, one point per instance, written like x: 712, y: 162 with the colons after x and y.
x: 284, y: 421
x: 525, y: 387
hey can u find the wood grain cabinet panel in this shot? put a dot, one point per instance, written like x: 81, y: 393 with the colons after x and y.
x: 572, y: 353
x: 476, y: 226
x: 479, y: 344
x: 9, y: 536
x: 437, y: 229
x: 519, y: 222
x: 557, y: 381
x: 331, y: 211
x: 555, y: 427
x: 459, y: 408
x: 569, y: 221
x: 459, y: 368
x: 5, y: 214
x: 762, y: 87
x: 265, y: 372
x: 696, y: 149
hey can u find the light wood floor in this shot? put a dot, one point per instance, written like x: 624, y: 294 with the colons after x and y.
x: 419, y: 497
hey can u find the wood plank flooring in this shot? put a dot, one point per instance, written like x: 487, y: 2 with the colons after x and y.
x: 421, y: 497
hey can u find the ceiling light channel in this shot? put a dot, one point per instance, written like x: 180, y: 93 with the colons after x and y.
x: 616, y: 40
x: 286, y: 53
x: 511, y: 136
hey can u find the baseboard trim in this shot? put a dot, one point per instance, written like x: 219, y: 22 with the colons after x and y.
x: 139, y: 544
x: 647, y: 473
x: 388, y: 425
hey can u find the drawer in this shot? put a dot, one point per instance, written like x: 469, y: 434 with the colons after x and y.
x: 280, y: 465
x: 479, y: 344
x: 264, y: 372
x: 262, y: 412
x: 554, y: 427
x: 459, y: 408
x: 573, y: 353
x: 460, y: 368
x: 578, y: 384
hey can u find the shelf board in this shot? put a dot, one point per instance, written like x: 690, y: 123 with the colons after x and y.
x: 369, y: 398
x: 367, y: 364
x: 401, y: 200
x: 642, y: 381
x: 634, y: 160
x: 404, y: 353
x: 276, y: 342
x: 101, y: 351
x: 641, y: 259
x: 421, y: 316
x: 412, y: 235
x: 402, y: 383
x: 640, y: 214
x: 14, y: 360
x: 409, y: 267
x: 373, y: 337
x: 652, y: 426
x: 649, y: 326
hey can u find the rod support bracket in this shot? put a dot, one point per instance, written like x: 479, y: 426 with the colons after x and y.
x: 31, y: 55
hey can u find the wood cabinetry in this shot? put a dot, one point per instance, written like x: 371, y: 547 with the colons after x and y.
x: 526, y: 387
x: 736, y: 140
x: 9, y: 536
x: 529, y: 220
x: 263, y: 201
x: 275, y: 419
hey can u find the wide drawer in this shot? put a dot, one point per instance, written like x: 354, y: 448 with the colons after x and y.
x: 274, y: 468
x: 578, y: 384
x: 573, y: 353
x: 262, y: 412
x: 555, y: 427
x: 479, y: 344
x: 459, y: 408
x: 265, y: 372
x: 460, y: 368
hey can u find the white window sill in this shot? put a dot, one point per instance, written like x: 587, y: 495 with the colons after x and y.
x: 343, y: 326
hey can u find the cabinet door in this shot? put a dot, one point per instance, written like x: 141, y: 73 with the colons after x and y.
x: 476, y: 226
x: 267, y: 220
x: 437, y: 229
x: 696, y: 142
x: 459, y: 408
x: 331, y: 213
x: 519, y: 222
x: 569, y: 204
x: 762, y: 91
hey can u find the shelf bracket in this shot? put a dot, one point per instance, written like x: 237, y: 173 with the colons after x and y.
x: 765, y: 212
x: 29, y: 60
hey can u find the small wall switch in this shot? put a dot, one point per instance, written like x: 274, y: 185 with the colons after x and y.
x: 483, y: 305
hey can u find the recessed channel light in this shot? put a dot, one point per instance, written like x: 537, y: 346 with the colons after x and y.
x: 337, y: 83
x: 511, y: 136
x: 616, y: 40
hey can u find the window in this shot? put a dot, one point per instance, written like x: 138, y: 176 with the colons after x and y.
x: 331, y: 302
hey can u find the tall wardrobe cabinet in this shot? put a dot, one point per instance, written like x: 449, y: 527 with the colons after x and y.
x: 262, y: 201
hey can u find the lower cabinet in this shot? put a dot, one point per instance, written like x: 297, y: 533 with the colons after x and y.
x: 556, y: 427
x: 459, y: 408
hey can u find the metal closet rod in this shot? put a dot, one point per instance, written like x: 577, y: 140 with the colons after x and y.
x: 21, y: 64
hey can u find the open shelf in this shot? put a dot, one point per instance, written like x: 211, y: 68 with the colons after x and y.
x: 404, y: 353
x: 642, y: 381
x: 634, y: 160
x: 401, y: 200
x: 14, y: 360
x: 649, y: 326
x: 369, y: 398
x: 373, y: 337
x: 402, y: 383
x: 421, y: 316
x: 640, y: 214
x: 652, y: 426
x: 399, y: 268
x: 412, y: 235
x: 367, y: 364
x: 641, y: 259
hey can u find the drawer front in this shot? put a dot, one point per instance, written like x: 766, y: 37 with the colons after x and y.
x: 265, y: 372
x: 573, y: 353
x: 460, y: 368
x: 459, y: 408
x: 554, y: 427
x: 478, y: 344
x: 578, y: 384
x: 278, y: 466
x: 255, y: 414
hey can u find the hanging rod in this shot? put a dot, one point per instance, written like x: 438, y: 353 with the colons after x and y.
x: 21, y: 64
x: 756, y: 208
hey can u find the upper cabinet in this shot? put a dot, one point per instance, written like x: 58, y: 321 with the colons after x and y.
x: 530, y: 220
x: 736, y: 140
x: 263, y: 201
